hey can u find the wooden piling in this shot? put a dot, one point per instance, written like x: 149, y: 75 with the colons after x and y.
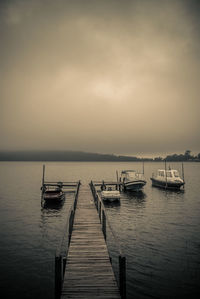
x: 122, y: 276
x: 165, y: 174
x: 58, y: 276
x: 70, y: 225
x: 43, y: 175
x: 100, y: 211
x: 104, y: 224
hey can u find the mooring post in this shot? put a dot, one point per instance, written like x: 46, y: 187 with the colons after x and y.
x: 58, y: 276
x: 64, y: 261
x: 117, y: 185
x: 76, y: 196
x: 165, y: 173
x: 96, y: 201
x: 120, y: 186
x: 104, y: 224
x: 122, y: 276
x: 183, y: 177
x: 70, y: 226
x: 43, y: 187
x: 100, y: 211
x: 43, y: 174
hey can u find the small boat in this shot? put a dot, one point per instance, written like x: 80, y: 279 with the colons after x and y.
x: 132, y: 180
x: 168, y: 179
x: 53, y: 194
x: 110, y: 195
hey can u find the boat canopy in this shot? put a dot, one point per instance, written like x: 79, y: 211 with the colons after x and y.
x: 169, y: 173
x: 126, y: 171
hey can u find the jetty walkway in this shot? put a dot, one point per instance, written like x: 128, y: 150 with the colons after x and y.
x: 86, y: 270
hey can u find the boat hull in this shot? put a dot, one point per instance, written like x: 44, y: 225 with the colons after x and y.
x: 53, y: 196
x: 110, y: 196
x: 168, y: 185
x: 110, y: 199
x: 134, y: 185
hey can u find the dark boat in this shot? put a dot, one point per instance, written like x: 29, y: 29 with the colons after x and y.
x: 53, y: 193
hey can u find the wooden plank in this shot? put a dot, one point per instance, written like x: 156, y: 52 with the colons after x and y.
x: 88, y: 272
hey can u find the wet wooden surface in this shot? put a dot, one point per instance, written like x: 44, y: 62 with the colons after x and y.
x: 88, y: 272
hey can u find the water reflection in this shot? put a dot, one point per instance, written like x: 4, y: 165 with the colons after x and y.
x: 169, y: 190
x: 112, y: 204
x: 139, y: 196
x: 175, y: 195
x: 53, y: 206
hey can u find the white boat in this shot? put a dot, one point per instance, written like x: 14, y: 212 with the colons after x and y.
x: 132, y: 180
x: 168, y: 179
x: 110, y: 195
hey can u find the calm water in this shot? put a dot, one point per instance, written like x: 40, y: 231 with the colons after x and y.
x: 159, y: 230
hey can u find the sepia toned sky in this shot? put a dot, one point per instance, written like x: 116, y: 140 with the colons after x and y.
x: 103, y: 76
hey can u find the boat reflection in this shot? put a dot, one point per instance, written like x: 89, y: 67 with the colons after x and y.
x: 53, y: 206
x: 169, y: 191
x: 161, y: 189
x: 112, y: 204
x: 138, y: 196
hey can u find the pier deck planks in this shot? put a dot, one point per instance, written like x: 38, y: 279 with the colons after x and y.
x: 88, y: 272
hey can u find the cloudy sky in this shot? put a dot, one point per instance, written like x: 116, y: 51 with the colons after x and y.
x: 103, y: 76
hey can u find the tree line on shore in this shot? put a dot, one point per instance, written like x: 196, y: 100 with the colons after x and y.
x: 187, y: 156
x: 84, y: 156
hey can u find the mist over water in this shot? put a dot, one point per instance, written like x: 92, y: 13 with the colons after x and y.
x: 159, y: 230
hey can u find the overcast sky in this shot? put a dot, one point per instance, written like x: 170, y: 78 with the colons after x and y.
x: 103, y: 76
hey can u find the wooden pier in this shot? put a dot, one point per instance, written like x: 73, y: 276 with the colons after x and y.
x: 86, y: 271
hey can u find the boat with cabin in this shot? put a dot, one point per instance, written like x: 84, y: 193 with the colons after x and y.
x: 132, y: 180
x: 168, y: 179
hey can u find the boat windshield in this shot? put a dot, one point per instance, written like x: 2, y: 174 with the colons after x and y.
x: 176, y: 174
x: 169, y: 174
x: 131, y: 174
x: 161, y: 173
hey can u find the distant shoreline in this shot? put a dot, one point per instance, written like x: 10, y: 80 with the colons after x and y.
x: 149, y: 161
x: 75, y: 156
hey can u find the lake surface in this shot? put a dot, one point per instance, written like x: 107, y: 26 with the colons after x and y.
x: 159, y: 231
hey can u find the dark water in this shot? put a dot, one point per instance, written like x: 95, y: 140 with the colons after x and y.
x: 159, y: 231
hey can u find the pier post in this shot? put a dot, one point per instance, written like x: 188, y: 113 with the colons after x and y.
x: 122, y: 276
x: 100, y: 211
x: 43, y: 174
x: 104, y: 224
x: 70, y: 226
x: 64, y: 261
x: 58, y: 276
x: 76, y: 195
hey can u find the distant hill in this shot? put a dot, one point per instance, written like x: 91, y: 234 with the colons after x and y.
x: 85, y: 156
x: 61, y: 156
